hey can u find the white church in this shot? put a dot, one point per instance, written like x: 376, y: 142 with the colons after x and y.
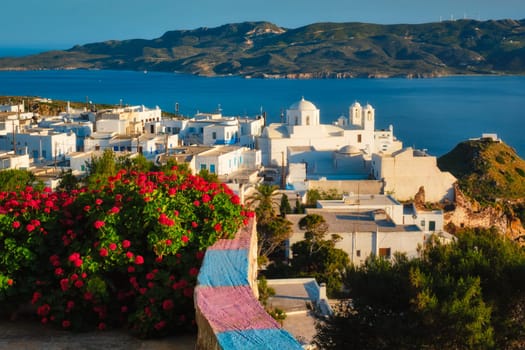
x: 325, y: 148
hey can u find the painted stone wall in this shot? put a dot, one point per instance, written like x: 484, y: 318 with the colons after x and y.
x: 228, y: 314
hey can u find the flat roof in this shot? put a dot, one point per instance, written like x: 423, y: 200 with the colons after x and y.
x: 217, y: 151
x: 356, y: 201
x: 350, y: 221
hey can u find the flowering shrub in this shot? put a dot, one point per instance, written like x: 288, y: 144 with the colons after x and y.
x: 127, y: 253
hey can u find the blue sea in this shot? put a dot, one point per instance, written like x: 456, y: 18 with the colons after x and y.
x: 432, y: 114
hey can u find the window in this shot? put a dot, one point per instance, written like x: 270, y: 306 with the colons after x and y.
x: 212, y: 168
x: 384, y: 253
x: 214, y: 135
x: 431, y: 225
x: 203, y: 166
x: 422, y: 223
x: 307, y: 120
x: 359, y: 138
x: 358, y: 253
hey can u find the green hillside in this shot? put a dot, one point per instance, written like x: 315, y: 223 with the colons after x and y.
x: 262, y: 49
x: 487, y: 171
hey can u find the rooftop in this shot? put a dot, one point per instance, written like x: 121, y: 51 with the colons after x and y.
x: 360, y: 201
x: 361, y: 221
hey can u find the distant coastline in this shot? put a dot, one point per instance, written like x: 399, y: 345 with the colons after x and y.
x: 290, y: 76
x: 315, y: 51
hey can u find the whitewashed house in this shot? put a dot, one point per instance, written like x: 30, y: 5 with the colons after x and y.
x: 224, y: 160
x: 10, y: 160
x: 41, y: 144
x: 212, y: 129
x: 81, y: 128
x: 376, y: 225
x: 126, y: 120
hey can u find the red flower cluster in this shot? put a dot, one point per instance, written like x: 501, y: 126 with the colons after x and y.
x: 137, y: 268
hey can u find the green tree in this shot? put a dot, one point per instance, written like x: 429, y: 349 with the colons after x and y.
x: 326, y: 263
x: 315, y: 227
x: 272, y: 230
x: 210, y: 177
x: 100, y: 168
x: 468, y: 294
x: 312, y: 196
x: 68, y: 181
x: 452, y: 311
x: 15, y: 179
x: 285, y: 207
x: 271, y: 235
x: 137, y: 162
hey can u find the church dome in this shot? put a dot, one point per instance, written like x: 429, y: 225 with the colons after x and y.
x: 303, y: 105
x: 349, y: 149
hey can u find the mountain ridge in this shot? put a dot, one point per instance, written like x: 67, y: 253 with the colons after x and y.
x: 319, y: 50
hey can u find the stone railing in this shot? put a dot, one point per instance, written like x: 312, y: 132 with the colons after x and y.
x: 228, y: 314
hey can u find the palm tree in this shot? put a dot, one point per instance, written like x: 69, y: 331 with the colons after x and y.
x: 272, y: 230
x: 264, y: 199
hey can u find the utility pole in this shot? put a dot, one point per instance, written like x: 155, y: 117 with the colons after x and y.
x: 283, y: 174
x: 14, y: 137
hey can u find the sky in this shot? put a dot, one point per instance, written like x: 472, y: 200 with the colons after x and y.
x: 61, y: 24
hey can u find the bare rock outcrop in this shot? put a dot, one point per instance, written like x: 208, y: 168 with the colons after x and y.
x: 468, y: 213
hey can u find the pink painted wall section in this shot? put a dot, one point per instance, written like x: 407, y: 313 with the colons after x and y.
x: 234, y: 301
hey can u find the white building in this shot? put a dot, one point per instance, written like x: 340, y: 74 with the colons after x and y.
x: 9, y: 160
x: 405, y: 171
x: 303, y: 129
x: 376, y: 225
x: 41, y: 144
x: 81, y: 128
x: 150, y: 145
x: 225, y: 160
x: 16, y: 108
x: 212, y: 129
x: 126, y: 120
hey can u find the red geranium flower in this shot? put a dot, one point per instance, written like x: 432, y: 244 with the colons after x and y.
x: 139, y: 260
x: 103, y: 252
x: 98, y: 224
x: 64, y: 284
